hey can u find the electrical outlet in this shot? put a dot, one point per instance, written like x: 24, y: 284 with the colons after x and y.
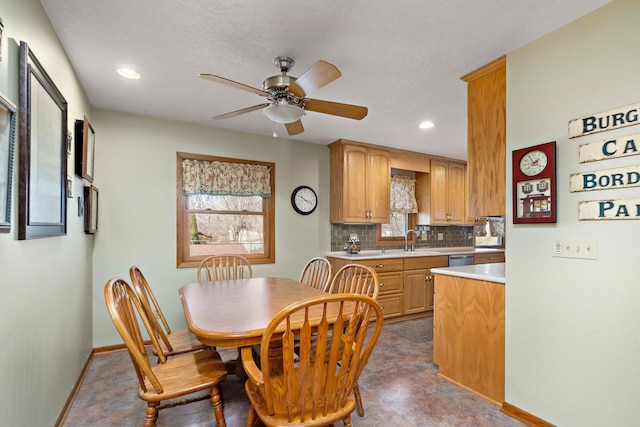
x: 580, y: 249
x: 440, y: 236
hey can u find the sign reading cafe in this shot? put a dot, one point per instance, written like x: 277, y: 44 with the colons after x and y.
x: 604, y: 121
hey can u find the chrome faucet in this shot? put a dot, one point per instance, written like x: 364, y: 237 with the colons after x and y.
x: 406, y: 246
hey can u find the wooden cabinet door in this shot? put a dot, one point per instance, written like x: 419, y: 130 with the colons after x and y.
x: 354, y: 185
x: 438, y: 192
x: 456, y: 177
x: 378, y: 178
x: 416, y: 298
x: 486, y: 145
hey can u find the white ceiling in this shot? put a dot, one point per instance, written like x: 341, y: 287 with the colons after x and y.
x: 402, y: 59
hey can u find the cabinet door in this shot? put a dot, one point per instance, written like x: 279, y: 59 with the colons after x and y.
x: 378, y: 186
x: 438, y: 192
x: 354, y: 185
x: 415, y: 291
x: 456, y: 177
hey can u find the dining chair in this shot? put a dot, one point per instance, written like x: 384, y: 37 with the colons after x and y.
x: 360, y: 279
x: 317, y: 273
x: 224, y: 267
x: 312, y: 389
x: 172, y: 342
x: 176, y: 377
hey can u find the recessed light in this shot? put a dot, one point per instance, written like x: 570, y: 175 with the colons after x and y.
x: 128, y: 73
x: 426, y: 125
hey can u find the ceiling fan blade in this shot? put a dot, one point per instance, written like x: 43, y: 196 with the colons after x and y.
x: 294, y: 128
x: 231, y: 83
x: 349, y: 111
x: 238, y: 112
x: 320, y: 74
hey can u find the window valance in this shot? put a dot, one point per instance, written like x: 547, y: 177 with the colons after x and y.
x: 403, y: 194
x: 225, y: 178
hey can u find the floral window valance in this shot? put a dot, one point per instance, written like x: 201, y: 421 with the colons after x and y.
x: 225, y: 178
x: 403, y: 194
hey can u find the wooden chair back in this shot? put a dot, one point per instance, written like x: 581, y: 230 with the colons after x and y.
x: 356, y: 279
x: 156, y: 318
x: 224, y: 267
x: 313, y: 389
x: 123, y: 304
x: 317, y: 273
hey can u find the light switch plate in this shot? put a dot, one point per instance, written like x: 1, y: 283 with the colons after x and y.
x: 580, y: 249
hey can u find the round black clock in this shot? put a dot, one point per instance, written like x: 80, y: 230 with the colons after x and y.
x: 304, y: 200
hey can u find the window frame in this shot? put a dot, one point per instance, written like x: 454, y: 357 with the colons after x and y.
x: 411, y: 224
x: 183, y: 259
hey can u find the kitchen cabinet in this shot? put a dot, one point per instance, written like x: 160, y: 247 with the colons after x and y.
x: 469, y: 334
x: 447, y: 198
x: 486, y: 144
x: 360, y: 183
x: 488, y: 258
x: 406, y: 284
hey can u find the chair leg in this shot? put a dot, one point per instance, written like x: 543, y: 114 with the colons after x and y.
x: 356, y: 392
x: 347, y: 421
x: 251, y: 417
x: 217, y: 407
x: 151, y: 414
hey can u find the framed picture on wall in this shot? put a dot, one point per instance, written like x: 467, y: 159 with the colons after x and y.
x: 42, y: 166
x: 7, y: 142
x: 90, y: 209
x: 85, y: 149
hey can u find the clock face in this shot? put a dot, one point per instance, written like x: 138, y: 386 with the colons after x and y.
x: 304, y: 200
x: 533, y: 162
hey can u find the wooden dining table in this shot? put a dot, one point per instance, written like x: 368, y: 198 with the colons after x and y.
x: 235, y: 313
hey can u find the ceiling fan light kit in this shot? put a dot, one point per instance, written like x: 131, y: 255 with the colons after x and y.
x: 287, y: 95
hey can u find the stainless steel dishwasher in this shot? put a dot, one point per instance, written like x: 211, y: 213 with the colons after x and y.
x: 462, y: 259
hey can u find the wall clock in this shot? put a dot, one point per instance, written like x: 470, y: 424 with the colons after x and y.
x: 534, y: 184
x: 304, y: 200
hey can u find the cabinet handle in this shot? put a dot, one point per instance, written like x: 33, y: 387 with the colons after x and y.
x: 381, y: 284
x: 380, y: 266
x: 382, y: 307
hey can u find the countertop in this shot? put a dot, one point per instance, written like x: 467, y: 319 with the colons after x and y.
x: 493, y: 272
x: 400, y: 253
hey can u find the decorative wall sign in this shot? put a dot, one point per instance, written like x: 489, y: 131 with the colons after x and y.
x: 606, y: 120
x: 606, y: 179
x: 534, y: 184
x: 42, y: 200
x: 609, y: 209
x: 85, y: 149
x: 614, y: 148
x: 90, y: 210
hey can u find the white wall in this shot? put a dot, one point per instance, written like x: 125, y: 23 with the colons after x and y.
x: 136, y: 164
x: 572, y: 346
x: 45, y: 284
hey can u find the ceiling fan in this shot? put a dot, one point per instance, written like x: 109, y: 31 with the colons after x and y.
x: 287, y: 95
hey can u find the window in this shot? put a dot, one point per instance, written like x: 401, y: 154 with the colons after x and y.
x: 403, y: 209
x: 224, y: 206
x: 392, y: 233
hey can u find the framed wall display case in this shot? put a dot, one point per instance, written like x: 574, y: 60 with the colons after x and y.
x: 85, y: 149
x: 534, y: 184
x: 7, y: 142
x: 42, y: 166
x: 90, y: 209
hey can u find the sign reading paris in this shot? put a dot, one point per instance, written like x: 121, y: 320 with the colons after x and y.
x: 606, y: 120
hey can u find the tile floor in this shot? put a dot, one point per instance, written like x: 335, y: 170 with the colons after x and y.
x: 399, y: 387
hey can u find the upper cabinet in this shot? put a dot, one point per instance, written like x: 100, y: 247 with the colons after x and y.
x: 360, y: 180
x: 447, y: 188
x: 486, y: 147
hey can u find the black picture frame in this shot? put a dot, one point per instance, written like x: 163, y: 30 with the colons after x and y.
x: 90, y: 209
x: 85, y: 149
x: 7, y: 144
x: 42, y: 169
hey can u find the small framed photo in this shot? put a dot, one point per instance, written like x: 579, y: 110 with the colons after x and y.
x: 90, y: 209
x: 69, y: 187
x: 85, y: 149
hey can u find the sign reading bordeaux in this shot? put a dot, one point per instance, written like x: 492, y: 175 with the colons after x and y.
x: 606, y: 120
x: 606, y: 179
x: 609, y: 209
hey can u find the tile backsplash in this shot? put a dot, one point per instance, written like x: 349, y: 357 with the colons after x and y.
x: 452, y: 236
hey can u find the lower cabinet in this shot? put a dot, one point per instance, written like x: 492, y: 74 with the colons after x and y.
x: 406, y: 284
